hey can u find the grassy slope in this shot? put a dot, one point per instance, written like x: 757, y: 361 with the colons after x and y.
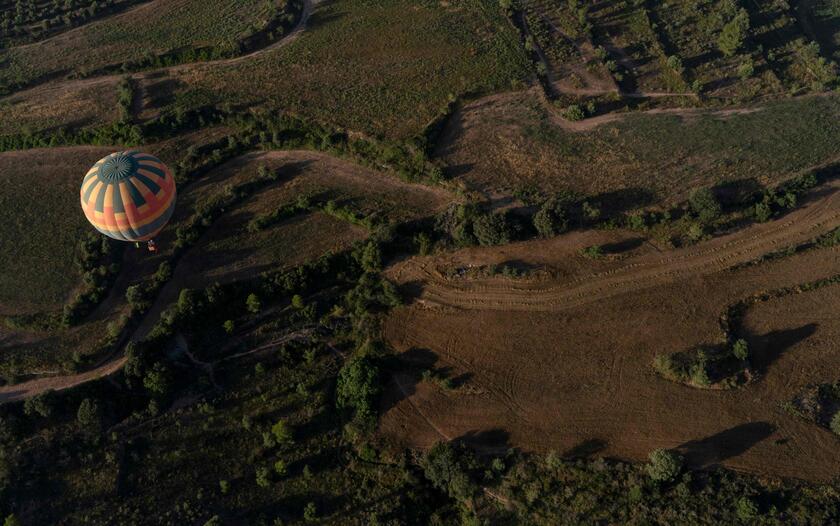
x: 665, y: 154
x: 41, y: 222
x: 168, y: 25
x: 380, y: 66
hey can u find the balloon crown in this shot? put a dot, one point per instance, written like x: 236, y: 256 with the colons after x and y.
x: 118, y: 167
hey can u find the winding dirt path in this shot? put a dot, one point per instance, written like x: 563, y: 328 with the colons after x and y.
x: 48, y: 88
x: 645, y: 271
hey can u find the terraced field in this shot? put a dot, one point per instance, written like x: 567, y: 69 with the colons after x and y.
x: 600, y: 381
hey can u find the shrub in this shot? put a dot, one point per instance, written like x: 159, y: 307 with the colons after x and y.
x: 734, y: 33
x: 358, y: 386
x: 746, y: 509
x: 664, y: 465
x: 228, y: 326
x: 89, y: 414
x: 593, y: 252
x: 263, y: 477
x: 310, y: 512
x: 281, y: 468
x: 41, y: 404
x: 705, y: 205
x: 282, y: 433
x: 445, y: 470
x: 574, y: 113
x: 492, y: 229
x: 253, y: 303
x: 741, y: 350
x: 550, y: 219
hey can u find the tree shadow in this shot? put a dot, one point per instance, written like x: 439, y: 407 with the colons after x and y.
x: 622, y: 246
x: 730, y: 443
x: 489, y: 442
x: 768, y: 348
x: 586, y: 449
x: 406, y: 372
x: 733, y: 194
x: 616, y: 202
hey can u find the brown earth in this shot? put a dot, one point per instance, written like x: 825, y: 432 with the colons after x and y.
x: 562, y: 360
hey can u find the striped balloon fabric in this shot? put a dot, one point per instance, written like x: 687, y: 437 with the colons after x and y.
x: 129, y: 196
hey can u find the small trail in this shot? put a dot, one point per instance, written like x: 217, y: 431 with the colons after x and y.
x: 46, y: 89
x: 636, y: 274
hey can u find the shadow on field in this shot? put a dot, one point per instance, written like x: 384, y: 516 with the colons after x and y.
x: 586, y: 449
x: 491, y: 441
x: 710, y: 451
x: 768, y: 348
x: 408, y: 370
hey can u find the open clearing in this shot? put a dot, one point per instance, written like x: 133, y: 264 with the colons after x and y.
x: 154, y: 28
x: 508, y: 142
x: 42, y: 222
x: 557, y: 360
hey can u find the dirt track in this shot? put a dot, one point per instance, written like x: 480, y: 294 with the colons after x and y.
x: 642, y: 272
x: 556, y: 360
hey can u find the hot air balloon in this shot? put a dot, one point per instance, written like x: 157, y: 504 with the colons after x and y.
x: 129, y: 196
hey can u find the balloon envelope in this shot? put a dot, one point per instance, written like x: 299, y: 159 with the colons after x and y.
x: 128, y: 196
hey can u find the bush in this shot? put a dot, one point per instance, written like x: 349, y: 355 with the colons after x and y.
x: 492, y: 229
x: 358, y: 386
x: 253, y: 303
x: 282, y: 433
x: 89, y: 414
x: 444, y: 468
x: 664, y: 465
x: 574, y: 113
x: 41, y: 404
x: 741, y: 350
x: 705, y: 205
x: 550, y: 219
x: 310, y: 512
x: 746, y: 509
x: 734, y: 33
x: 263, y: 477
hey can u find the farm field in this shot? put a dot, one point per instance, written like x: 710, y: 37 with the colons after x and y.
x: 427, y: 262
x: 42, y: 257
x: 664, y: 153
x: 155, y: 28
x: 505, y: 376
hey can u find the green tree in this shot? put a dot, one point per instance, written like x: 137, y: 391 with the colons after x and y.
x: 358, y: 386
x: 705, y: 205
x: 282, y: 432
x: 253, y: 303
x: 263, y: 477
x: 734, y: 33
x: 157, y: 380
x: 41, y: 404
x: 741, y: 349
x: 746, y: 509
x: 664, y: 465
x: 281, y: 468
x: 492, y: 229
x: 228, y: 326
x: 550, y: 219
x: 443, y: 467
x: 89, y: 414
x: 11, y: 520
x: 310, y: 512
